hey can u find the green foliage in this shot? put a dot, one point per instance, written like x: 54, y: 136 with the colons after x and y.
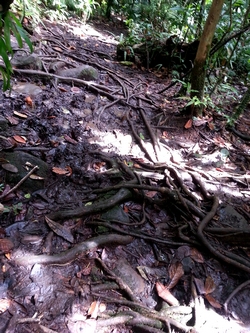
x: 10, y: 25
x: 16, y: 209
x: 240, y: 109
x: 28, y: 8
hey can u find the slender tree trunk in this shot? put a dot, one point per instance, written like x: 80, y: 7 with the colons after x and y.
x: 199, y: 71
x: 4, y: 6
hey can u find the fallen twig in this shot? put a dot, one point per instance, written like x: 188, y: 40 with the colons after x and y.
x: 75, y: 252
x: 20, y: 182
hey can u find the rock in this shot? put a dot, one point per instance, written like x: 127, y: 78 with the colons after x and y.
x: 31, y: 61
x: 18, y: 159
x: 27, y: 89
x: 83, y: 72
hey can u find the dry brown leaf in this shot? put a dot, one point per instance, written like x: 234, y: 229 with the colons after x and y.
x: 62, y: 89
x: 28, y: 101
x: 219, y: 141
x: 10, y: 167
x: 75, y: 90
x: 7, y: 255
x: 125, y: 209
x: 19, y: 139
x: 137, y: 166
x: 6, y: 245
x: 196, y: 255
x: 209, y: 285
x: 188, y: 124
x: 175, y: 273
x: 165, y: 294
x: 36, y: 177
x: 86, y: 270
x: 213, y: 302
x: 56, y: 48
x: 60, y: 230
x: 211, y: 126
x: 70, y: 140
x: 200, y: 286
x: 93, y: 309
x: 198, y: 122
x: 60, y: 171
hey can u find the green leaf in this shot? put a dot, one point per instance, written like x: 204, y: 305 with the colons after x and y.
x: 20, y: 33
x: 6, y: 79
x: 4, y: 55
x: 25, y: 37
x: 141, y: 136
x: 7, y: 28
x: 17, y: 36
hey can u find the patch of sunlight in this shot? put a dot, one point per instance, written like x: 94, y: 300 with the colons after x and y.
x: 86, y: 30
x: 209, y: 321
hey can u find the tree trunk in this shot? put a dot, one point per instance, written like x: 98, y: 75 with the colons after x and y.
x: 199, y: 71
x: 4, y: 6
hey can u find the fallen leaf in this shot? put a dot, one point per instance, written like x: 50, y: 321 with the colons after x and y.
x: 6, y: 245
x: 93, y: 309
x: 28, y: 101
x: 70, y: 140
x: 60, y: 171
x: 209, y: 285
x: 200, y: 286
x: 199, y: 122
x: 75, y: 90
x: 21, y: 115
x: 62, y: 89
x: 19, y: 139
x: 36, y: 177
x: 137, y: 166
x: 196, y: 255
x: 86, y: 270
x: 188, y: 124
x: 165, y: 294
x: 60, y: 230
x: 213, y: 302
x: 211, y: 126
x: 57, y: 49
x: 7, y: 255
x: 126, y: 209
x: 175, y: 273
x: 10, y: 167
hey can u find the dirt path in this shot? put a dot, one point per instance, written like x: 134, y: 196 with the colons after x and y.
x: 132, y: 222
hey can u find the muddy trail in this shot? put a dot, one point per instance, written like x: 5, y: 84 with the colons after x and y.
x: 116, y: 216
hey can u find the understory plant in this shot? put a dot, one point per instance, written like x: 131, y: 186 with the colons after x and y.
x: 10, y: 25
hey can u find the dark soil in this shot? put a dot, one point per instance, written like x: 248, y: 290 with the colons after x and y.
x: 137, y: 220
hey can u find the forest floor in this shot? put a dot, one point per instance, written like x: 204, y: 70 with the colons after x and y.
x: 136, y: 221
